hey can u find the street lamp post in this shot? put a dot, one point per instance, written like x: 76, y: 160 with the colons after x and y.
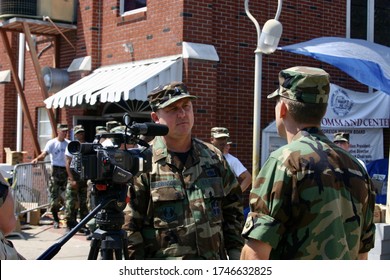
x: 267, y: 42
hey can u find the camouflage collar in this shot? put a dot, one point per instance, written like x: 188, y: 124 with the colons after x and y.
x: 160, y: 151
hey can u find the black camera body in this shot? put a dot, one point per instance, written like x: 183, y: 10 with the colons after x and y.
x: 114, y: 162
x: 98, y: 163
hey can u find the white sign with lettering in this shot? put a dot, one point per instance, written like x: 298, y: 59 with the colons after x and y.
x: 352, y: 109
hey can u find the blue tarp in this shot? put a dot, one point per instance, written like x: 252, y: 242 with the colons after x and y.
x: 366, y: 62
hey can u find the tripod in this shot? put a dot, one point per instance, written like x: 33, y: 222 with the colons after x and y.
x: 109, y: 237
x: 111, y: 242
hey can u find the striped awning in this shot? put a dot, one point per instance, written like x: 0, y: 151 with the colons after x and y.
x: 127, y: 81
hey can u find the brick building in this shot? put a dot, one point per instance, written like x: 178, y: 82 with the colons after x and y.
x: 208, y: 44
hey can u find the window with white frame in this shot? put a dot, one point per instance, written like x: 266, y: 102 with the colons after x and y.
x: 44, y: 127
x: 370, y: 20
x: 132, y: 6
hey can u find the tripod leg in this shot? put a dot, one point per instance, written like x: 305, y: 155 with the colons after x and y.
x: 118, y: 254
x: 107, y: 254
x: 125, y: 246
x: 94, y: 251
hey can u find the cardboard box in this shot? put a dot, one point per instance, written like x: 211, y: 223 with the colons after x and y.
x: 13, y: 157
x: 34, y: 217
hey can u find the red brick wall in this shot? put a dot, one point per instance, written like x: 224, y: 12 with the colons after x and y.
x: 8, y: 101
x: 225, y: 88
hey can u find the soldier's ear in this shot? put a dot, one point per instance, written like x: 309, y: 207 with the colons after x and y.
x: 154, y: 117
x: 282, y: 109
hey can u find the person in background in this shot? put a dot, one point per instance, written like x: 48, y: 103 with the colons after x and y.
x: 244, y: 178
x: 76, y: 189
x: 341, y: 139
x: 310, y: 200
x: 56, y: 149
x: 220, y: 139
x: 92, y: 192
x: 112, y: 124
x: 188, y: 206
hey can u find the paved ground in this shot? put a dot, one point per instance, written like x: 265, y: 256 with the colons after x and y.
x: 33, y: 241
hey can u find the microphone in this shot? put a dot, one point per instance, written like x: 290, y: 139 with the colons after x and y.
x: 149, y: 129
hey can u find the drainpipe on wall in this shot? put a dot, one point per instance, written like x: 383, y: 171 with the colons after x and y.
x: 19, y: 117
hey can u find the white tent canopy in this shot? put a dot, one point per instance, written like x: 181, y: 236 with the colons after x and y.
x: 367, y: 62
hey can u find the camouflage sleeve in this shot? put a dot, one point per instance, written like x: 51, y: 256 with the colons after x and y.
x: 368, y: 233
x: 233, y: 215
x: 135, y: 213
x: 268, y: 209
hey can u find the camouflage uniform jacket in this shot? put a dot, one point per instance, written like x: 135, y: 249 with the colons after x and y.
x: 312, y: 200
x: 185, y: 212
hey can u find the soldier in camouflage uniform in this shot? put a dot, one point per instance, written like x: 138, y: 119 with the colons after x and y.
x: 76, y: 189
x: 311, y: 199
x: 189, y: 206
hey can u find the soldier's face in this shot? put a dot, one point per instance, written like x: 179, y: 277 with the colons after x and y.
x: 62, y: 134
x: 220, y: 143
x: 80, y: 136
x: 179, y: 117
x: 342, y: 144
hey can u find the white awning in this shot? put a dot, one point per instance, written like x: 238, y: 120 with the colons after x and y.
x: 127, y: 81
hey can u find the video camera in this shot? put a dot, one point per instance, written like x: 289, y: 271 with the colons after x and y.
x: 115, y: 163
x: 110, y: 167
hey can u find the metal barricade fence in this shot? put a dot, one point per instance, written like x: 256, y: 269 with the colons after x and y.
x: 30, y: 186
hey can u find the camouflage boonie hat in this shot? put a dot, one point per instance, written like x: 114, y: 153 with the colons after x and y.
x: 341, y: 137
x: 78, y: 129
x: 164, y: 95
x: 219, y: 132
x: 303, y: 84
x: 62, y: 127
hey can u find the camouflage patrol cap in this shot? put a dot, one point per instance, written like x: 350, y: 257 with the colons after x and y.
x: 78, y: 128
x: 100, y: 128
x: 118, y: 129
x: 164, y: 95
x: 341, y: 137
x: 303, y: 84
x: 62, y: 127
x: 111, y: 124
x: 219, y: 132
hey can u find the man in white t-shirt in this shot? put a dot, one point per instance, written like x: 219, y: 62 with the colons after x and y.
x: 220, y: 139
x: 56, y: 149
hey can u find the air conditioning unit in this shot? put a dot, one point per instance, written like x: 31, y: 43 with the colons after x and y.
x: 17, y: 8
x: 58, y: 10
